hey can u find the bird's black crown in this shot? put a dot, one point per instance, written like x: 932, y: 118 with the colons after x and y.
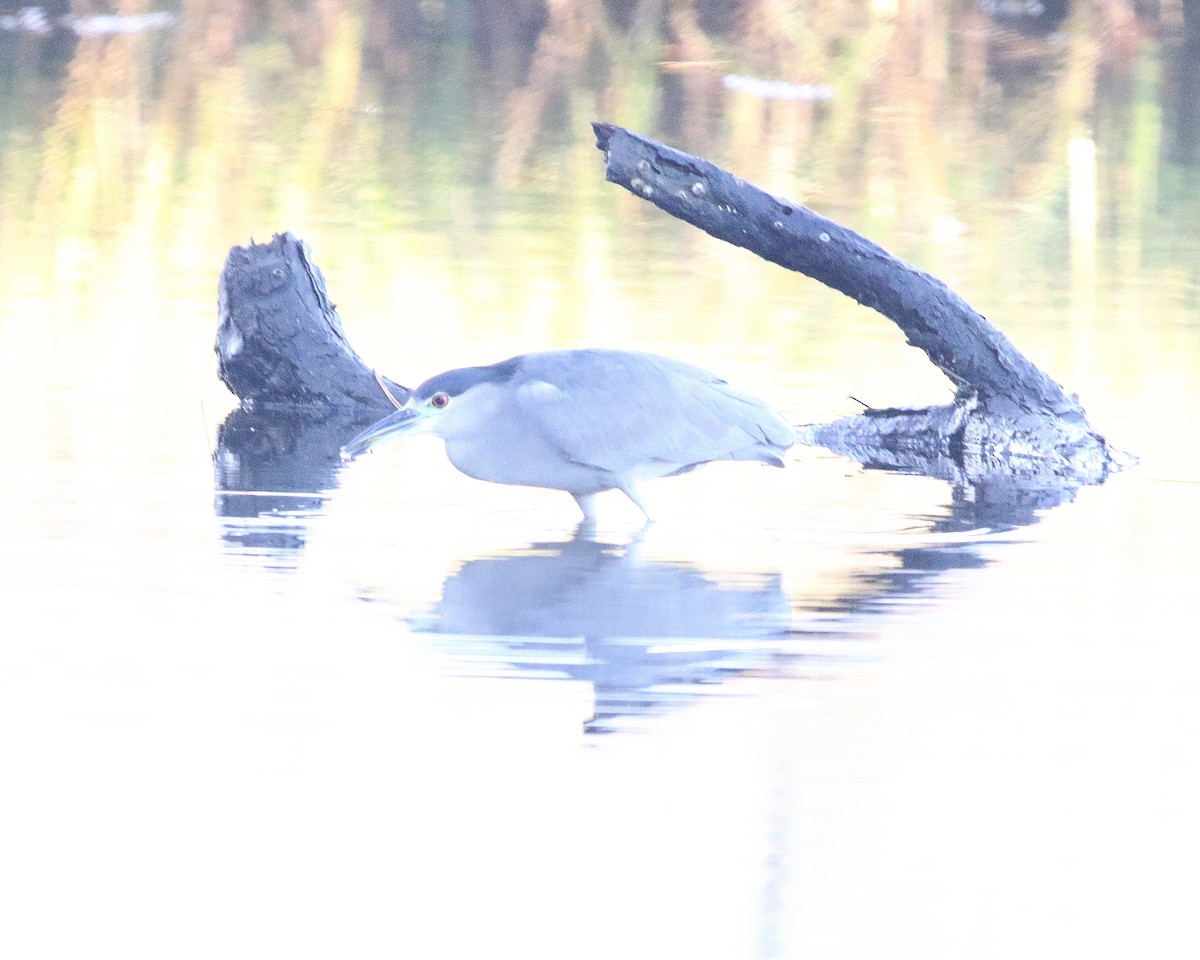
x: 454, y: 382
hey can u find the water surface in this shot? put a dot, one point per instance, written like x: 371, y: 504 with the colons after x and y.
x: 813, y: 712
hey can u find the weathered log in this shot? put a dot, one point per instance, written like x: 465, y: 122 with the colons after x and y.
x: 304, y: 391
x: 1005, y: 406
x: 280, y: 343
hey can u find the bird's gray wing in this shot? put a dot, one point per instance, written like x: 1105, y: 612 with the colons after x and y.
x: 615, y: 409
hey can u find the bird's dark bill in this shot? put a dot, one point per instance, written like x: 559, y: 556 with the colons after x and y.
x: 388, y: 427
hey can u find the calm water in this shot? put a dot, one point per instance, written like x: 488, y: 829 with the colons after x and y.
x: 814, y: 712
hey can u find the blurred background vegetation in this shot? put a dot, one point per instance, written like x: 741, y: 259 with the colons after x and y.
x: 1002, y: 145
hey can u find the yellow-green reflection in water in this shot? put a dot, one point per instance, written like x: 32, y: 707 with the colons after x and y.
x: 936, y: 739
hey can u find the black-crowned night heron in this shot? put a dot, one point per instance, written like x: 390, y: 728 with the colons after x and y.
x: 585, y: 421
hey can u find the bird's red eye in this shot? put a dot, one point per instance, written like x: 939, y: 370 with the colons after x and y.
x: 440, y: 400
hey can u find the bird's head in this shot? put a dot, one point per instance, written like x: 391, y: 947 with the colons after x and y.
x: 442, y: 406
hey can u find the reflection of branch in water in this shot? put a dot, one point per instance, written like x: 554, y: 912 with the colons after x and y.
x: 272, y: 474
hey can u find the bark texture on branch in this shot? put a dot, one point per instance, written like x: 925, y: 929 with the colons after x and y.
x: 1005, y: 405
x: 280, y: 343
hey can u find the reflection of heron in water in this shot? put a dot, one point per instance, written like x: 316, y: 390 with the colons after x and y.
x: 591, y: 611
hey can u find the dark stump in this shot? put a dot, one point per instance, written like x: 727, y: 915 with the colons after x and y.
x: 303, y: 390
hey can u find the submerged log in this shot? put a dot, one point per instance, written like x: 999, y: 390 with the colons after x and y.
x: 1005, y: 408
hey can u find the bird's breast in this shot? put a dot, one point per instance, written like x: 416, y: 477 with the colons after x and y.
x: 517, y: 457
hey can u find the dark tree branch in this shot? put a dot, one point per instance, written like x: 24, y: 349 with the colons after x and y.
x: 1005, y: 405
x: 956, y: 337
